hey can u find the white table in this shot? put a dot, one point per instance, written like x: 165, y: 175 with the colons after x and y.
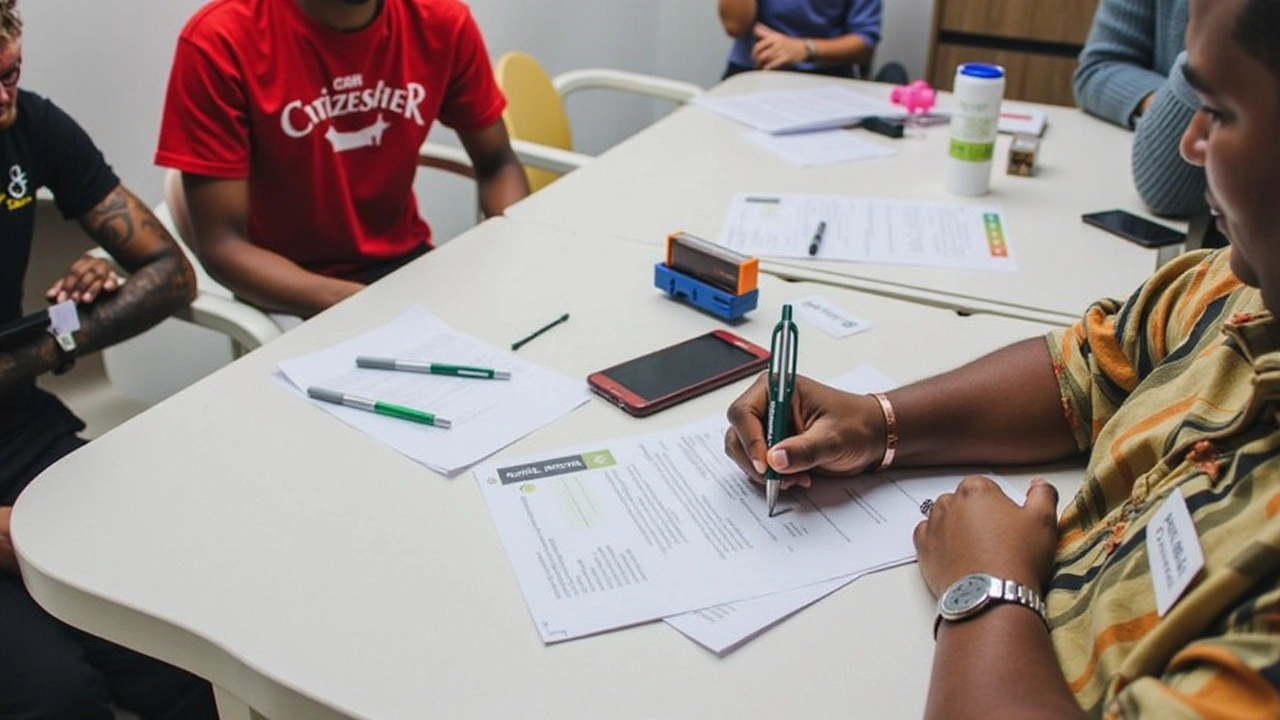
x: 680, y: 173
x: 311, y: 572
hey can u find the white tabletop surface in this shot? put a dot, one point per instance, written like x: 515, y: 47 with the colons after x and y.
x: 680, y: 173
x: 311, y: 572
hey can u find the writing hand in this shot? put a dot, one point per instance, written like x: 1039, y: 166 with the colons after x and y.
x: 837, y: 433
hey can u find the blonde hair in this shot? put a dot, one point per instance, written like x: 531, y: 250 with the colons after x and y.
x: 10, y: 22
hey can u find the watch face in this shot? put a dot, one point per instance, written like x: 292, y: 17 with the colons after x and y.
x: 967, y: 594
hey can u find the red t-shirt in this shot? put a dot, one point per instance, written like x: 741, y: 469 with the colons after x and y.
x: 325, y: 125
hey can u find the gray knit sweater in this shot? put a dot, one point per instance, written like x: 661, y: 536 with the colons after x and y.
x: 1136, y: 47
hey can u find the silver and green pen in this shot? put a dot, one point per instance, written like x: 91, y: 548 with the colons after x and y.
x: 431, y: 368
x: 377, y: 406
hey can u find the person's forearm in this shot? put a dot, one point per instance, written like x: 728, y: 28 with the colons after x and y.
x: 153, y: 292
x: 737, y: 16
x: 999, y: 664
x: 1004, y: 408
x: 851, y: 49
x: 501, y: 187
x: 271, y: 281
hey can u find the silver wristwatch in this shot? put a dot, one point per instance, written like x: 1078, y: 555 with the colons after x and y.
x: 973, y: 594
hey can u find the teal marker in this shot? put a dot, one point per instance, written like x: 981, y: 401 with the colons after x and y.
x: 375, y: 406
x: 431, y: 368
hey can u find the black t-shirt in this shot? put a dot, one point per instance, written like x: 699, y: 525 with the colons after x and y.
x: 43, y: 148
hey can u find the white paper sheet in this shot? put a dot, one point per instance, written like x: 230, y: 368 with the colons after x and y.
x: 894, y: 232
x: 789, y: 111
x: 487, y: 415
x: 824, y: 147
x: 726, y: 627
x: 621, y: 532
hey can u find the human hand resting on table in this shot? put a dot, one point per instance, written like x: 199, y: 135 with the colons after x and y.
x: 835, y: 433
x: 773, y: 50
x: 978, y: 529
x: 87, y: 278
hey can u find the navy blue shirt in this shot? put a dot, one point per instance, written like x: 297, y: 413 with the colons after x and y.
x: 43, y: 148
x: 818, y: 19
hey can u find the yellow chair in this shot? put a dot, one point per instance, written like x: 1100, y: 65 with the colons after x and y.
x: 536, y: 119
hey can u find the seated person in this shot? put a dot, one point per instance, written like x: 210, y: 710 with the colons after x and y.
x: 49, y: 670
x: 830, y: 37
x: 1130, y: 73
x: 1170, y: 395
x: 296, y: 125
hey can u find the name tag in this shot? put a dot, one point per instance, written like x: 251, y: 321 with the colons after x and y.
x: 828, y: 317
x: 63, y: 317
x: 1173, y: 550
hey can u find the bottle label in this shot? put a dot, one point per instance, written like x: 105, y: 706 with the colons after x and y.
x: 972, y: 151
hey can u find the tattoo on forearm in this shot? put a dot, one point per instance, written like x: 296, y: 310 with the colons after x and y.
x: 111, y: 222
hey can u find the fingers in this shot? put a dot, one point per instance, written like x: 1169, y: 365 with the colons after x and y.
x: 760, y: 30
x: 1042, y: 497
x: 84, y: 282
x: 744, y: 442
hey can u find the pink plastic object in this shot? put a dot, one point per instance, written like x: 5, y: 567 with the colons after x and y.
x: 916, y: 97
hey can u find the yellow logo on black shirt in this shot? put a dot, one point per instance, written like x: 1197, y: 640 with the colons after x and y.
x: 18, y: 197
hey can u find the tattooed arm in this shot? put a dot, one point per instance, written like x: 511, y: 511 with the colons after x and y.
x: 160, y: 282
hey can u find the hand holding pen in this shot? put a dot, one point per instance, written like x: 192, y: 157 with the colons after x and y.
x: 839, y: 434
x: 782, y: 382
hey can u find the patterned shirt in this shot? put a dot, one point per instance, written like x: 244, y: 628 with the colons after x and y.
x: 1173, y: 391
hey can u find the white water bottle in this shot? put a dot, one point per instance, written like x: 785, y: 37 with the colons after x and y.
x: 975, y: 117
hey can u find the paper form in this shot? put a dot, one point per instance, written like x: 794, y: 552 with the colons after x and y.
x: 725, y: 627
x: 825, y: 147
x: 626, y: 531
x: 789, y: 111
x: 487, y: 415
x: 895, y: 232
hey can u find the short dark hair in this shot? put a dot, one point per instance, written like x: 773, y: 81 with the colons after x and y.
x: 1258, y: 32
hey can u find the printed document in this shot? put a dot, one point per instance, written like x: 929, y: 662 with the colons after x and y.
x: 791, y: 111
x: 487, y: 415
x: 891, y: 232
x: 726, y: 627
x: 621, y: 532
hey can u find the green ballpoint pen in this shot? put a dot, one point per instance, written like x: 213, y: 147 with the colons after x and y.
x: 431, y: 368
x: 377, y: 406
x: 782, y: 382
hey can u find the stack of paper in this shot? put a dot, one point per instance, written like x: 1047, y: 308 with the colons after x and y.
x: 655, y: 526
x: 486, y: 415
x: 792, y: 111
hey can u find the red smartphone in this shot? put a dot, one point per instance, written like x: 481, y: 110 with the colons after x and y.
x: 665, y: 377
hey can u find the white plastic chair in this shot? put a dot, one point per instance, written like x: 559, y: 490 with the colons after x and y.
x: 536, y: 118
x: 174, y: 354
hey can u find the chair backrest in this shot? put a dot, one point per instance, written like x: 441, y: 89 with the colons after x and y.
x: 534, y: 111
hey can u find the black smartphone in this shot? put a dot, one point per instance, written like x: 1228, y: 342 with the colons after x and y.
x: 662, y: 378
x: 1134, y: 229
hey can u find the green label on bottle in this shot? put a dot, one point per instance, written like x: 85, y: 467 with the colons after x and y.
x: 971, y: 151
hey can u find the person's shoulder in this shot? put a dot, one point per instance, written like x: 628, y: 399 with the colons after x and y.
x: 36, y: 112
x: 219, y: 18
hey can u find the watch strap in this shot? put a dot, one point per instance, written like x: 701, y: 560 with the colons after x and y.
x: 810, y: 49
x: 66, y: 344
x: 999, y: 592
